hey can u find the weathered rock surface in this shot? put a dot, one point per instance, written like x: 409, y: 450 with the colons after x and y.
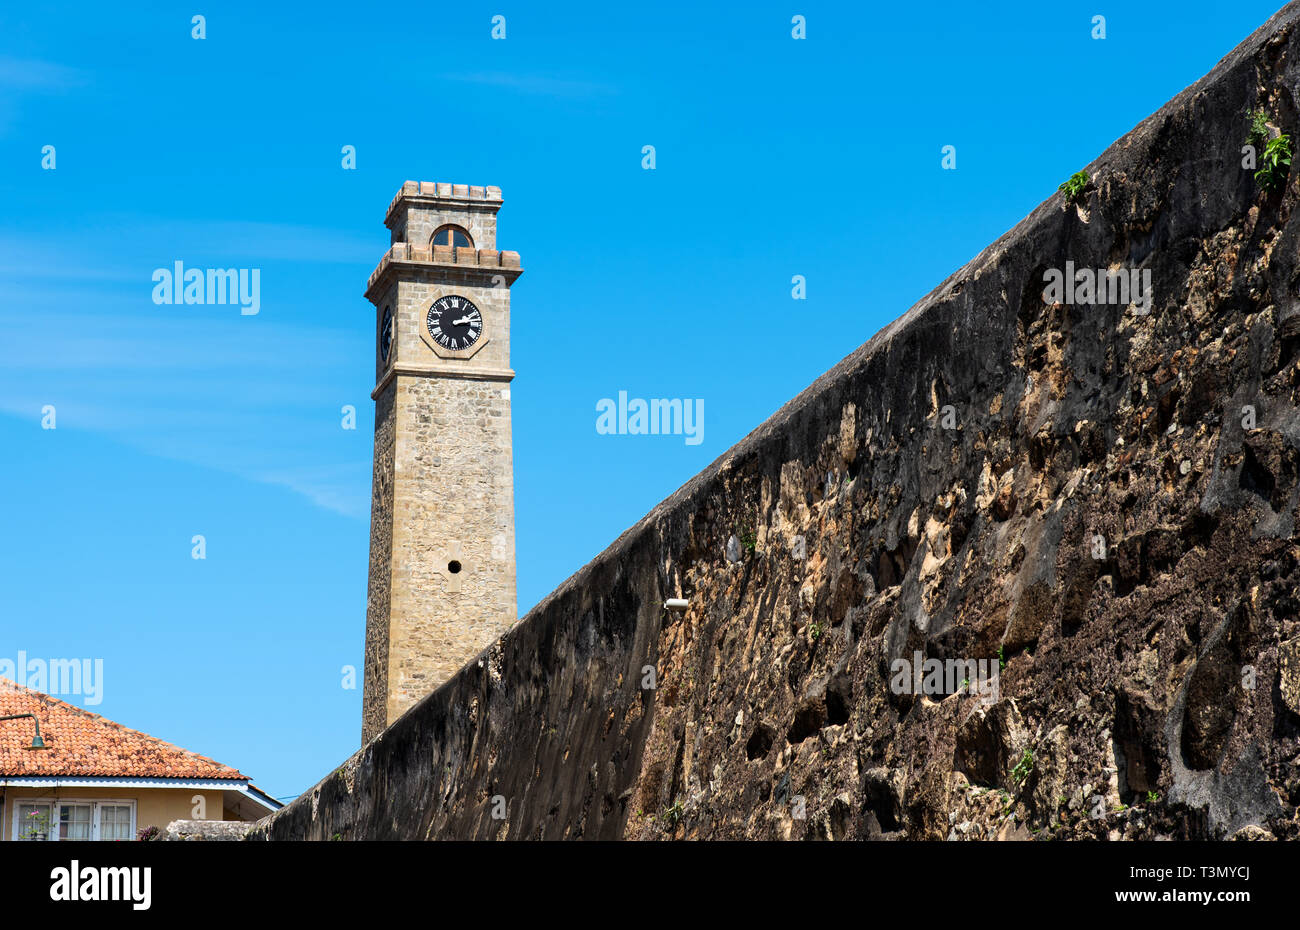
x: 204, y: 830
x: 1111, y: 514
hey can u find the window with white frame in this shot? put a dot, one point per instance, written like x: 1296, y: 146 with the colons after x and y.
x: 32, y: 821
x: 73, y: 819
x: 115, y: 822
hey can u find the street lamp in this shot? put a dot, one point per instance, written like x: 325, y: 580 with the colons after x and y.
x: 37, y: 742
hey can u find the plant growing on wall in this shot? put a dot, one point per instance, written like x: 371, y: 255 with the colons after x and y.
x: 1259, y: 131
x: 1273, y: 154
x: 1075, y: 186
x: 1274, y: 164
x: 746, y: 528
x: 1022, y: 768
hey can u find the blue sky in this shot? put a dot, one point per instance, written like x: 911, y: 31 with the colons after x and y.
x: 774, y: 158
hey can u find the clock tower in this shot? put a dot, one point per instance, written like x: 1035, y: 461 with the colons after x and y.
x: 442, y: 526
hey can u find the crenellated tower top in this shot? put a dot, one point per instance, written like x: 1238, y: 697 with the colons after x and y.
x: 421, y: 208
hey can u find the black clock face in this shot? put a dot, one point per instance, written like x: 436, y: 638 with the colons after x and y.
x: 454, y: 322
x: 386, y: 334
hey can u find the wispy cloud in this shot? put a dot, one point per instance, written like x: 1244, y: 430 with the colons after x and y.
x: 31, y: 74
x: 257, y: 397
x: 21, y: 259
x: 341, y: 488
x: 265, y: 241
x: 25, y: 76
x: 129, y: 248
x: 115, y: 342
x: 246, y: 396
x: 539, y: 84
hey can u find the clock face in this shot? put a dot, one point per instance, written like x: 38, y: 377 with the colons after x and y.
x: 454, y: 322
x: 386, y: 334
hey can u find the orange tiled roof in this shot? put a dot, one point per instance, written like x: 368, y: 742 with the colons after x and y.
x: 81, y: 743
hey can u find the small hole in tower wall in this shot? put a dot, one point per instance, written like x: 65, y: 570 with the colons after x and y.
x: 453, y: 566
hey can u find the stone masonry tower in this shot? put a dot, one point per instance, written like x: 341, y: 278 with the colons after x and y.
x: 442, y: 525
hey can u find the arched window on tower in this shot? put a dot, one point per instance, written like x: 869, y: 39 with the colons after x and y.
x: 453, y: 236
